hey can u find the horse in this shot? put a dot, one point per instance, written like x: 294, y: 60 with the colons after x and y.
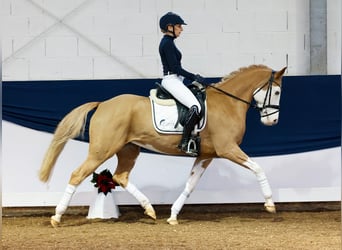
x: 122, y: 125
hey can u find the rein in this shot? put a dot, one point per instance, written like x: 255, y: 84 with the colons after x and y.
x: 267, y: 96
x: 235, y: 97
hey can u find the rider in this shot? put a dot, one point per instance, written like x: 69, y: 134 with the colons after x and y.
x: 171, y: 25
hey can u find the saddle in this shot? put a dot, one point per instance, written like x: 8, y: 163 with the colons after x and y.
x: 197, y: 90
x: 169, y: 115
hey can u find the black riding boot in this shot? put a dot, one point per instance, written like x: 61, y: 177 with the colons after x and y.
x: 192, y: 119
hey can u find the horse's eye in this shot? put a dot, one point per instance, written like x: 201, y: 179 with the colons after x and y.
x: 277, y: 92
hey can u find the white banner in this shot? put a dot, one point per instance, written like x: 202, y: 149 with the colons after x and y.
x: 310, y: 176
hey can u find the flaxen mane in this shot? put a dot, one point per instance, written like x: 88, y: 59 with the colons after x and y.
x: 240, y: 70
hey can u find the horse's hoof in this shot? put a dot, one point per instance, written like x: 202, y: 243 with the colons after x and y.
x: 172, y: 221
x: 150, y: 212
x: 271, y: 209
x: 54, y: 222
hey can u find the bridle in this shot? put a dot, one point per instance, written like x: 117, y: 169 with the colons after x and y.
x: 267, y: 99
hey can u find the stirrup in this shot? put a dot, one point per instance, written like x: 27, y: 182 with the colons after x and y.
x: 190, y: 148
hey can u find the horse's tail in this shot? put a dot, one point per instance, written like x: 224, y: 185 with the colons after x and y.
x: 72, y: 125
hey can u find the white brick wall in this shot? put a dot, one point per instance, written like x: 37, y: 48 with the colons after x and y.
x: 61, y: 47
x: 45, y: 68
x: 334, y: 36
x: 98, y: 39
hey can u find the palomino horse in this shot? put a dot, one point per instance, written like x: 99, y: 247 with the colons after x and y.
x: 122, y: 125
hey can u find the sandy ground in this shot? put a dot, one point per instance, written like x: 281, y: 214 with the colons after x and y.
x: 295, y: 226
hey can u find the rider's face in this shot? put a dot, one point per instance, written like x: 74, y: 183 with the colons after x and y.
x: 176, y: 28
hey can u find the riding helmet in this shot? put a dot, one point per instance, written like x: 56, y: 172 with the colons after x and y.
x: 170, y: 18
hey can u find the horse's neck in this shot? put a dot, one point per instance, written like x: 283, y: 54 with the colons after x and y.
x: 243, y: 85
x: 240, y: 86
x: 237, y: 88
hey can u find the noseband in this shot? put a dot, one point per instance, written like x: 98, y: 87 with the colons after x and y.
x: 267, y: 99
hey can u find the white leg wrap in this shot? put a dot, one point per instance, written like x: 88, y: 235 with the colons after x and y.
x: 261, y: 177
x: 138, y: 195
x: 196, y: 174
x: 178, y: 204
x: 64, y: 202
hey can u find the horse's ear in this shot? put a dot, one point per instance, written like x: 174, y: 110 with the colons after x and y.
x: 280, y: 73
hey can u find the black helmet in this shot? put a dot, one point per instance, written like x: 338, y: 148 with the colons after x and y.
x: 170, y: 18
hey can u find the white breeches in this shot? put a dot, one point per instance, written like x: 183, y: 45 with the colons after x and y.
x: 174, y: 84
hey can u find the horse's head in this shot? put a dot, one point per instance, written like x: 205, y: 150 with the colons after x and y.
x: 267, y: 98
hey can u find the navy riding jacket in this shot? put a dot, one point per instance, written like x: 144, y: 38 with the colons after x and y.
x: 171, y: 58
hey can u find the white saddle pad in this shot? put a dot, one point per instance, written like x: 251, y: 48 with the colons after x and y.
x: 165, y: 116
